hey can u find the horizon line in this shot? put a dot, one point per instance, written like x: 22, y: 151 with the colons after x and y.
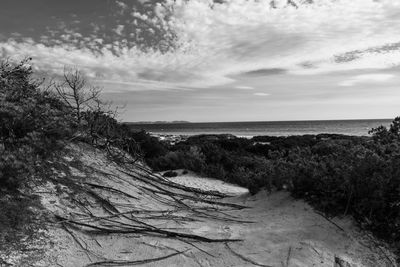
x: 302, y: 120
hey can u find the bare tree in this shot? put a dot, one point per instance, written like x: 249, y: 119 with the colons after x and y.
x: 76, y: 92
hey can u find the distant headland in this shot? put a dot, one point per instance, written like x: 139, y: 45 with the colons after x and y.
x: 157, y: 122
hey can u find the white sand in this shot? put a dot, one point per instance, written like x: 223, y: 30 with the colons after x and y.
x: 192, y: 180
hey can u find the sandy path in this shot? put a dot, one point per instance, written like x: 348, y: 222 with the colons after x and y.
x: 284, y: 232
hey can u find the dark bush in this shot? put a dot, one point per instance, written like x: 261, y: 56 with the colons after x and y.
x: 170, y: 174
x: 32, y: 122
x: 17, y: 221
x: 33, y: 125
x: 337, y: 174
x: 151, y: 147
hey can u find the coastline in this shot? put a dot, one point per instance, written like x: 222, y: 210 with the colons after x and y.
x: 276, y: 128
x: 173, y: 139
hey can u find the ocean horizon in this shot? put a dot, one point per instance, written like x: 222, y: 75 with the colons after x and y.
x: 257, y: 128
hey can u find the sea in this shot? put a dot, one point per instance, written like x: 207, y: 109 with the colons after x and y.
x: 258, y: 128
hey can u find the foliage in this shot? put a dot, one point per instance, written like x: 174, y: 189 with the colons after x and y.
x: 31, y: 122
x: 34, y: 124
x: 105, y: 131
x: 340, y: 175
x: 17, y: 219
x: 150, y: 146
x: 387, y: 136
x: 170, y: 174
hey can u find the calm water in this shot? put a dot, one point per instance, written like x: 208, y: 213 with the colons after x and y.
x: 276, y: 128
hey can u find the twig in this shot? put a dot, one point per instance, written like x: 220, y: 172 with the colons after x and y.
x: 137, y: 262
x: 111, y: 189
x: 329, y: 220
x: 193, y: 245
x: 76, y: 240
x: 148, y: 230
x: 288, y: 256
x: 383, y: 252
x: 372, y: 239
x: 245, y: 258
x: 169, y: 183
x: 341, y: 263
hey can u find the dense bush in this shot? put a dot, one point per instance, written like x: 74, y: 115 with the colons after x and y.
x: 150, y: 146
x: 31, y: 122
x: 170, y: 174
x: 17, y: 221
x: 34, y: 124
x: 340, y: 175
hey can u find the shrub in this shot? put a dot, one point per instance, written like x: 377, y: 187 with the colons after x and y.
x: 17, y: 221
x: 32, y: 122
x: 170, y: 174
x: 340, y: 175
x: 150, y: 146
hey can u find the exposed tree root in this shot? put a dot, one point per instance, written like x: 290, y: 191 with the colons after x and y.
x: 100, y: 213
x: 130, y: 263
x: 171, y: 184
x: 111, y: 190
x: 245, y: 258
x: 143, y: 230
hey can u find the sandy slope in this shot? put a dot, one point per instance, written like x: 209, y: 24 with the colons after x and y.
x: 282, y: 231
x: 193, y: 180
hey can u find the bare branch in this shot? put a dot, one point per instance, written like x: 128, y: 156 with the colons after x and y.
x: 76, y: 93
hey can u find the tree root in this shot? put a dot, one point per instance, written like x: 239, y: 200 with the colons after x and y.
x: 245, y: 258
x: 136, y: 262
x: 143, y: 230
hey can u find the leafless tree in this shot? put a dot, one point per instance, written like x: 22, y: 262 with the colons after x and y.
x: 75, y: 91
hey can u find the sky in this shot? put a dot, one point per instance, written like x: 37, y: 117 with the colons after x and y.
x: 218, y: 60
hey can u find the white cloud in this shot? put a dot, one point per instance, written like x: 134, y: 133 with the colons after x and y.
x: 119, y: 29
x: 367, y: 78
x: 242, y: 87
x: 261, y: 94
x: 121, y: 5
x: 217, y: 41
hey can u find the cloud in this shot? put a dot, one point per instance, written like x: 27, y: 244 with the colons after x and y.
x: 261, y: 94
x: 119, y: 29
x: 121, y: 5
x: 202, y: 43
x: 367, y: 78
x: 264, y: 72
x: 243, y: 87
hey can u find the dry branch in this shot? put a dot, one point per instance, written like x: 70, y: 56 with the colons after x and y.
x: 111, y: 190
x: 143, y: 230
x: 152, y: 182
x: 137, y: 262
x: 169, y: 183
x: 245, y: 258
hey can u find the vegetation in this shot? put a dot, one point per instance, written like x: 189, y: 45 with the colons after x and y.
x: 339, y: 175
x: 170, y: 174
x: 35, y: 122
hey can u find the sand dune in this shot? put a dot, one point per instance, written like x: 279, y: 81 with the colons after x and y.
x: 274, y: 229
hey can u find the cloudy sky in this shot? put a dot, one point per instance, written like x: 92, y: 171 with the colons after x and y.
x: 225, y: 60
